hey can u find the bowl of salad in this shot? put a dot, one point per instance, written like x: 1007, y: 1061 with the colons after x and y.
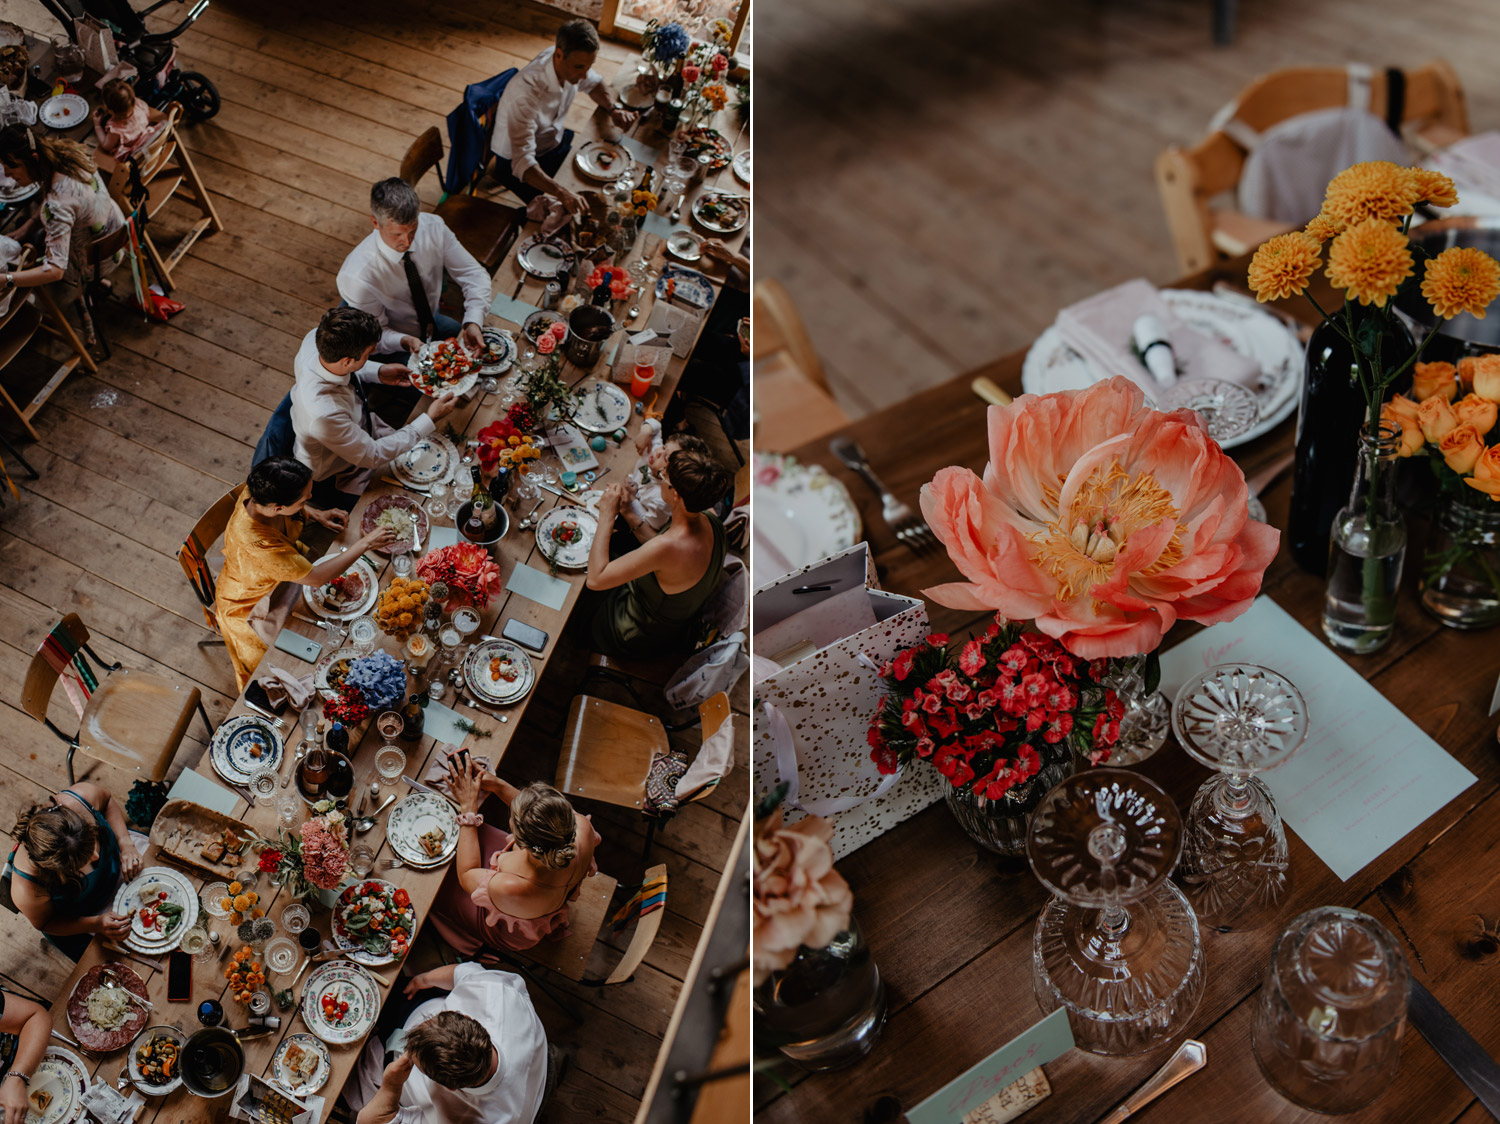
x: 374, y: 920
x: 439, y: 366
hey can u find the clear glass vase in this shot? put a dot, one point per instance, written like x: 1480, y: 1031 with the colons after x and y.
x: 1148, y: 714
x: 825, y: 1009
x: 1461, y: 569
x: 1000, y: 825
x: 1366, y: 550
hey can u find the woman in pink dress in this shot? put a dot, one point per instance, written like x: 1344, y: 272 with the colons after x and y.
x: 511, y: 889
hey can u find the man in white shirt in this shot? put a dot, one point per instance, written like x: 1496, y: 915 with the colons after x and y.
x: 475, y: 1056
x: 530, y: 142
x: 337, y: 435
x: 396, y: 274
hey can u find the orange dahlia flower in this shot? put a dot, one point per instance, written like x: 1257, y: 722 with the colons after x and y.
x: 1376, y: 189
x: 1434, y: 188
x: 1100, y: 520
x: 1369, y: 261
x: 1323, y: 227
x: 1283, y: 266
x: 1461, y: 279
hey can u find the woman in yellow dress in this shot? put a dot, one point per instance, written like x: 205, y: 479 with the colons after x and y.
x: 261, y: 551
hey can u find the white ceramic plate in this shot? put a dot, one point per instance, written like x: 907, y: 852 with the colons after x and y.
x: 325, y: 665
x: 381, y: 504
x: 741, y: 166
x: 231, y: 749
x: 502, y: 344
x: 543, y: 257
x: 590, y: 500
x: 498, y: 691
x: 63, y: 111
x: 350, y: 984
x: 345, y: 939
x: 602, y: 408
x: 734, y: 217
x: 419, y: 363
x: 161, y: 1030
x: 357, y: 606
x: 1051, y: 366
x: 289, y: 1080
x: 412, y: 818
x: 573, y: 555
x: 604, y: 160
x: 180, y: 891
x: 802, y: 514
x: 684, y: 245
x: 428, y: 461
x: 63, y: 1074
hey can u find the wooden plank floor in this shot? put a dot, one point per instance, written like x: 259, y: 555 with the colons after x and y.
x: 980, y: 165
x: 319, y: 102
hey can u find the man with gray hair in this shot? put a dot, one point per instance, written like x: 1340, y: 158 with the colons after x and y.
x: 530, y: 142
x: 396, y: 275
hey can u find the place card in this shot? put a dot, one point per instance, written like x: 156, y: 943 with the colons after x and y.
x: 1367, y: 775
x: 508, y: 308
x: 440, y: 537
x: 1046, y: 1041
x: 659, y: 225
x: 440, y: 723
x: 642, y: 152
x: 1012, y: 1100
x: 200, y: 790
x: 536, y: 586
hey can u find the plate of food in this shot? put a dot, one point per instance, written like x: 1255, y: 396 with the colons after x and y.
x: 686, y: 285
x: 741, y: 166
x: 684, y: 245
x: 243, y: 744
x: 101, y: 1013
x: 428, y: 461
x: 328, y: 674
x: 16, y: 192
x: 498, y: 671
x: 199, y: 838
x: 540, y: 322
x: 347, y: 596
x: 440, y: 366
x: 602, y: 408
x: 721, y: 211
x: 63, y: 111
x: 565, y: 535
x: 154, y: 1058
x: 499, y: 351
x: 703, y: 139
x: 162, y: 904
x: 604, y: 160
x: 423, y: 829
x: 543, y: 257
x: 375, y: 921
x: 340, y: 1002
x: 301, y: 1064
x: 55, y: 1095
x: 394, y: 510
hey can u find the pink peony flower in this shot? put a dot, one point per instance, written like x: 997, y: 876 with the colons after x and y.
x: 1102, y: 521
x: 799, y: 899
x: 557, y: 330
x: 691, y: 73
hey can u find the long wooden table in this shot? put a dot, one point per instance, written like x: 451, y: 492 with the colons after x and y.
x: 951, y: 926
x: 501, y: 723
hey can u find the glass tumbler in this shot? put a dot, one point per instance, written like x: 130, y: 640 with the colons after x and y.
x: 1328, y: 1024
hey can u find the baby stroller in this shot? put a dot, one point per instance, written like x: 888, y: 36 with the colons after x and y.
x: 154, y: 56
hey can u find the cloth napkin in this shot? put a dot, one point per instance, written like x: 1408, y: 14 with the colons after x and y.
x: 715, y: 759
x: 549, y: 212
x: 1101, y: 329
x: 437, y: 773
x: 280, y: 684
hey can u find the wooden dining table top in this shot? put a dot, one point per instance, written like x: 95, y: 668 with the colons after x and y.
x: 950, y: 925
x: 500, y: 724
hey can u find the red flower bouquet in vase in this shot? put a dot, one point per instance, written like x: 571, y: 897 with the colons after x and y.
x: 466, y: 569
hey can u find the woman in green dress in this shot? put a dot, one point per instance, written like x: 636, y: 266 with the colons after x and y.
x: 658, y: 589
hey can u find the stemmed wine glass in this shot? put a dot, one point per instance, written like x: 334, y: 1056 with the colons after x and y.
x: 1118, y: 945
x: 1239, y: 719
x: 437, y: 499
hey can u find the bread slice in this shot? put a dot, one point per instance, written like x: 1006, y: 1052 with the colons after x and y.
x: 40, y: 1099
x: 432, y: 842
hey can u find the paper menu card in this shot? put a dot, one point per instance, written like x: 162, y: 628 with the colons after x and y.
x: 1366, y: 776
x: 1043, y: 1042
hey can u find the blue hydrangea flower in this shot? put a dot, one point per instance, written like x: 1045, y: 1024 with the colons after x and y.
x: 379, y: 677
x: 670, y: 42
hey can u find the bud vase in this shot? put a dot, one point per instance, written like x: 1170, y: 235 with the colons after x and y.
x: 1366, y: 550
x: 1461, y: 569
x: 1000, y: 825
x: 825, y: 1009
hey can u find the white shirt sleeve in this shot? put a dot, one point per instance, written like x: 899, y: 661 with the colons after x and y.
x: 341, y: 434
x: 362, y: 295
x: 520, y: 130
x: 589, y: 82
x: 471, y: 277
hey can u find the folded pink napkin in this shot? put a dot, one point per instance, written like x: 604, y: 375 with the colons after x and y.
x: 437, y: 773
x: 280, y: 684
x: 549, y: 212
x: 1101, y: 329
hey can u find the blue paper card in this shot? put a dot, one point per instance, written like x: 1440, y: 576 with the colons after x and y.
x: 1046, y: 1041
x: 659, y: 225
x: 509, y: 308
x: 642, y: 152
x: 439, y: 722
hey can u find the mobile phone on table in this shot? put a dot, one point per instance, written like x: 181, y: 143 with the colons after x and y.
x: 525, y: 635
x: 256, y: 695
x: 295, y: 644
x: 179, y: 977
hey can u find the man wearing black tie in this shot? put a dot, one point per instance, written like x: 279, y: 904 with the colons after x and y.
x: 396, y: 275
x: 336, y: 434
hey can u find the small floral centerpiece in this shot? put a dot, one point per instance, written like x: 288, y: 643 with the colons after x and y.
x: 620, y: 287
x: 380, y: 679
x: 543, y: 386
x: 663, y: 45
x: 642, y: 203
x: 1451, y: 420
x: 399, y: 608
x: 314, y: 857
x: 502, y: 442
x: 466, y: 569
x: 347, y: 707
x: 703, y: 76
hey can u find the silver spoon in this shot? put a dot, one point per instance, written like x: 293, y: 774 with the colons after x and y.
x: 416, y: 531
x: 301, y: 753
x: 365, y: 823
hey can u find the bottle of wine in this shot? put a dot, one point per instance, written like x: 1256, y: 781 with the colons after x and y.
x: 481, y: 509
x: 647, y: 180
x: 601, y: 291
x: 337, y: 738
x: 312, y: 774
x: 340, y: 778
x: 413, y: 717
x: 500, y: 485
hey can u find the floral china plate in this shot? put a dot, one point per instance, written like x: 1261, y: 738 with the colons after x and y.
x: 686, y: 285
x: 425, y: 463
x: 243, y: 744
x: 565, y: 535
x: 340, y: 1002
x: 499, y: 353
x: 418, y: 816
x: 311, y: 1073
x: 603, y: 408
x: 543, y: 257
x: 395, y: 501
x: 802, y: 514
x: 441, y: 366
x: 498, y: 671
x: 62, y: 1075
x: 350, y: 595
x: 157, y: 879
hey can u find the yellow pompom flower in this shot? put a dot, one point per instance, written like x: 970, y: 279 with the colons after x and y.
x: 1434, y: 188
x: 1369, y: 261
x: 1283, y: 266
x: 1461, y: 279
x: 1376, y: 189
x: 1323, y: 227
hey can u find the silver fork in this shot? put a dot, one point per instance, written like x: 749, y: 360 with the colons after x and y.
x: 910, y: 527
x: 390, y: 864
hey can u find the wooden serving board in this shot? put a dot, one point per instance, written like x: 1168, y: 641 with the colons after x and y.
x: 200, y: 826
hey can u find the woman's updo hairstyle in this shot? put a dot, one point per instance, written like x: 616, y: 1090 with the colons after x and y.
x: 545, y: 825
x: 59, y: 841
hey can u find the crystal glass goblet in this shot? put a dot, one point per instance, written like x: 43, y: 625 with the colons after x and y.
x: 437, y: 499
x: 1147, y: 718
x: 1238, y: 719
x: 1228, y: 410
x: 1118, y: 945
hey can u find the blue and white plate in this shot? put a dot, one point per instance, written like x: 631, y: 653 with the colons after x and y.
x: 601, y: 408
x: 502, y: 344
x: 242, y: 746
x: 692, y: 287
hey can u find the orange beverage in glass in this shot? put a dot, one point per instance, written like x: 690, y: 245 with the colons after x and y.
x: 645, y: 373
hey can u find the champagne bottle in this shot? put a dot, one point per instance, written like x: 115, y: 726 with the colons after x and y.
x: 647, y: 180
x: 481, y: 509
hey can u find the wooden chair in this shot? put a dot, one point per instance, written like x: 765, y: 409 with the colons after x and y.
x: 33, y: 310
x: 192, y: 556
x: 1433, y: 115
x: 131, y: 719
x: 146, y: 179
x: 483, y: 227
x: 94, y: 296
x: 792, y: 397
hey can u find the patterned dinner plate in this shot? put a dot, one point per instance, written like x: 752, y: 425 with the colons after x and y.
x: 324, y: 669
x: 416, y: 816
x: 428, y: 461
x: 381, y: 504
x: 563, y: 551
x: 342, y: 983
x: 500, y: 351
x: 804, y: 514
x: 691, y: 286
x: 383, y: 895
x: 62, y: 1075
x: 604, y: 160
x: 243, y: 744
x: 543, y: 257
x: 361, y: 587
x: 602, y: 408
x: 304, y: 1082
x: 425, y: 377
x: 63, y: 111
x: 742, y: 167
x: 722, y: 212
x: 179, y: 891
x: 498, y: 671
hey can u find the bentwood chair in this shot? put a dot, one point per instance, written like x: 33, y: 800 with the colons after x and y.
x: 483, y: 227
x: 192, y: 556
x: 127, y: 718
x: 792, y: 394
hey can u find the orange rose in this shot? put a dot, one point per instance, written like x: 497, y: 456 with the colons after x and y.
x: 1486, y: 476
x: 1486, y: 370
x: 1437, y: 419
x: 1434, y: 378
x: 1462, y: 449
x: 1401, y: 406
x: 1479, y: 412
x: 1411, y: 433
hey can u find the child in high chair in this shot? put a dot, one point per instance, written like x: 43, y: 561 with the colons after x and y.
x: 123, y: 119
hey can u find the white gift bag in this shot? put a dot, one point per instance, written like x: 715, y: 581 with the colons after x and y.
x: 821, y: 635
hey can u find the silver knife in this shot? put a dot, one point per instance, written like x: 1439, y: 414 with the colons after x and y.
x: 1456, y: 1046
x: 420, y: 787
